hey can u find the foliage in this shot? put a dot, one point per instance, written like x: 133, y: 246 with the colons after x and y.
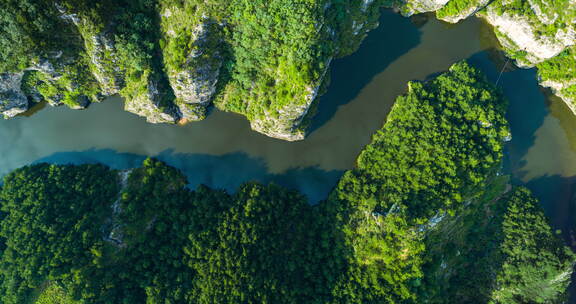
x: 441, y: 139
x: 90, y: 234
x: 457, y: 7
x: 54, y: 294
x: 500, y: 249
x: 258, y: 252
x: 31, y: 30
x: 537, y: 266
x: 50, y: 225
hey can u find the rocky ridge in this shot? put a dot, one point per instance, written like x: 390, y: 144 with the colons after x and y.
x: 194, y: 77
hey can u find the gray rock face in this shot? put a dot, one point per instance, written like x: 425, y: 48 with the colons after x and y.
x: 12, y: 99
x: 287, y: 125
x: 412, y: 7
x: 195, y: 83
x: 518, y: 33
x: 46, y: 67
x: 148, y: 105
x: 102, y: 52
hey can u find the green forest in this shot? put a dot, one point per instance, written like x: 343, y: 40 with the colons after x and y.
x: 424, y: 207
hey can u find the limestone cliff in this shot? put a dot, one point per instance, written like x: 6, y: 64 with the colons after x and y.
x: 534, y: 33
x: 148, y: 102
x: 99, y: 44
x: 559, y: 74
x: 12, y: 99
x: 266, y: 60
x: 193, y: 59
x: 286, y: 122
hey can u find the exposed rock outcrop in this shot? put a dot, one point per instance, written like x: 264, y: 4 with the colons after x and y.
x: 12, y: 99
x: 520, y: 35
x: 533, y: 33
x: 104, y: 64
x: 100, y: 48
x: 194, y: 83
x: 422, y: 6
x: 286, y: 124
x: 148, y: 104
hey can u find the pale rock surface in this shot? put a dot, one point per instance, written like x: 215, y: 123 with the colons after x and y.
x: 517, y: 33
x: 12, y: 99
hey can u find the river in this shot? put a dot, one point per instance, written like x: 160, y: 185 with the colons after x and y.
x: 223, y: 152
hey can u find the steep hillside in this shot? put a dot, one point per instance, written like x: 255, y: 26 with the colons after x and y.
x: 171, y: 60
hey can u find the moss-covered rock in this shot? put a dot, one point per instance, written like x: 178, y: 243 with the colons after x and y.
x: 192, y: 50
x: 559, y: 74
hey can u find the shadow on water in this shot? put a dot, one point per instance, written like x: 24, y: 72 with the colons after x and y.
x: 555, y: 193
x: 227, y: 171
x: 382, y: 47
x: 527, y: 114
x: 526, y: 109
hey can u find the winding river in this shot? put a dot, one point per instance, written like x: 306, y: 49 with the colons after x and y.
x: 223, y: 152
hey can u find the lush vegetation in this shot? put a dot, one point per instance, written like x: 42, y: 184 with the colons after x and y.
x: 31, y: 30
x: 440, y: 141
x: 34, y: 36
x: 499, y: 249
x: 458, y: 7
x: 89, y: 234
x: 560, y: 71
x: 536, y: 265
x: 51, y: 224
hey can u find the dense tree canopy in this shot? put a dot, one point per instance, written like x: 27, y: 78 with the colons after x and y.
x: 51, y: 224
x: 441, y: 139
x: 89, y: 234
x: 500, y: 249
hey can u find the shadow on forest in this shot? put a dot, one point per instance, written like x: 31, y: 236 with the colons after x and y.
x: 227, y: 171
x: 394, y: 37
x: 556, y: 194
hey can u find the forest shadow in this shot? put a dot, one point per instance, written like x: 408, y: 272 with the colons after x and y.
x: 227, y: 171
x: 394, y: 37
x: 556, y: 195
